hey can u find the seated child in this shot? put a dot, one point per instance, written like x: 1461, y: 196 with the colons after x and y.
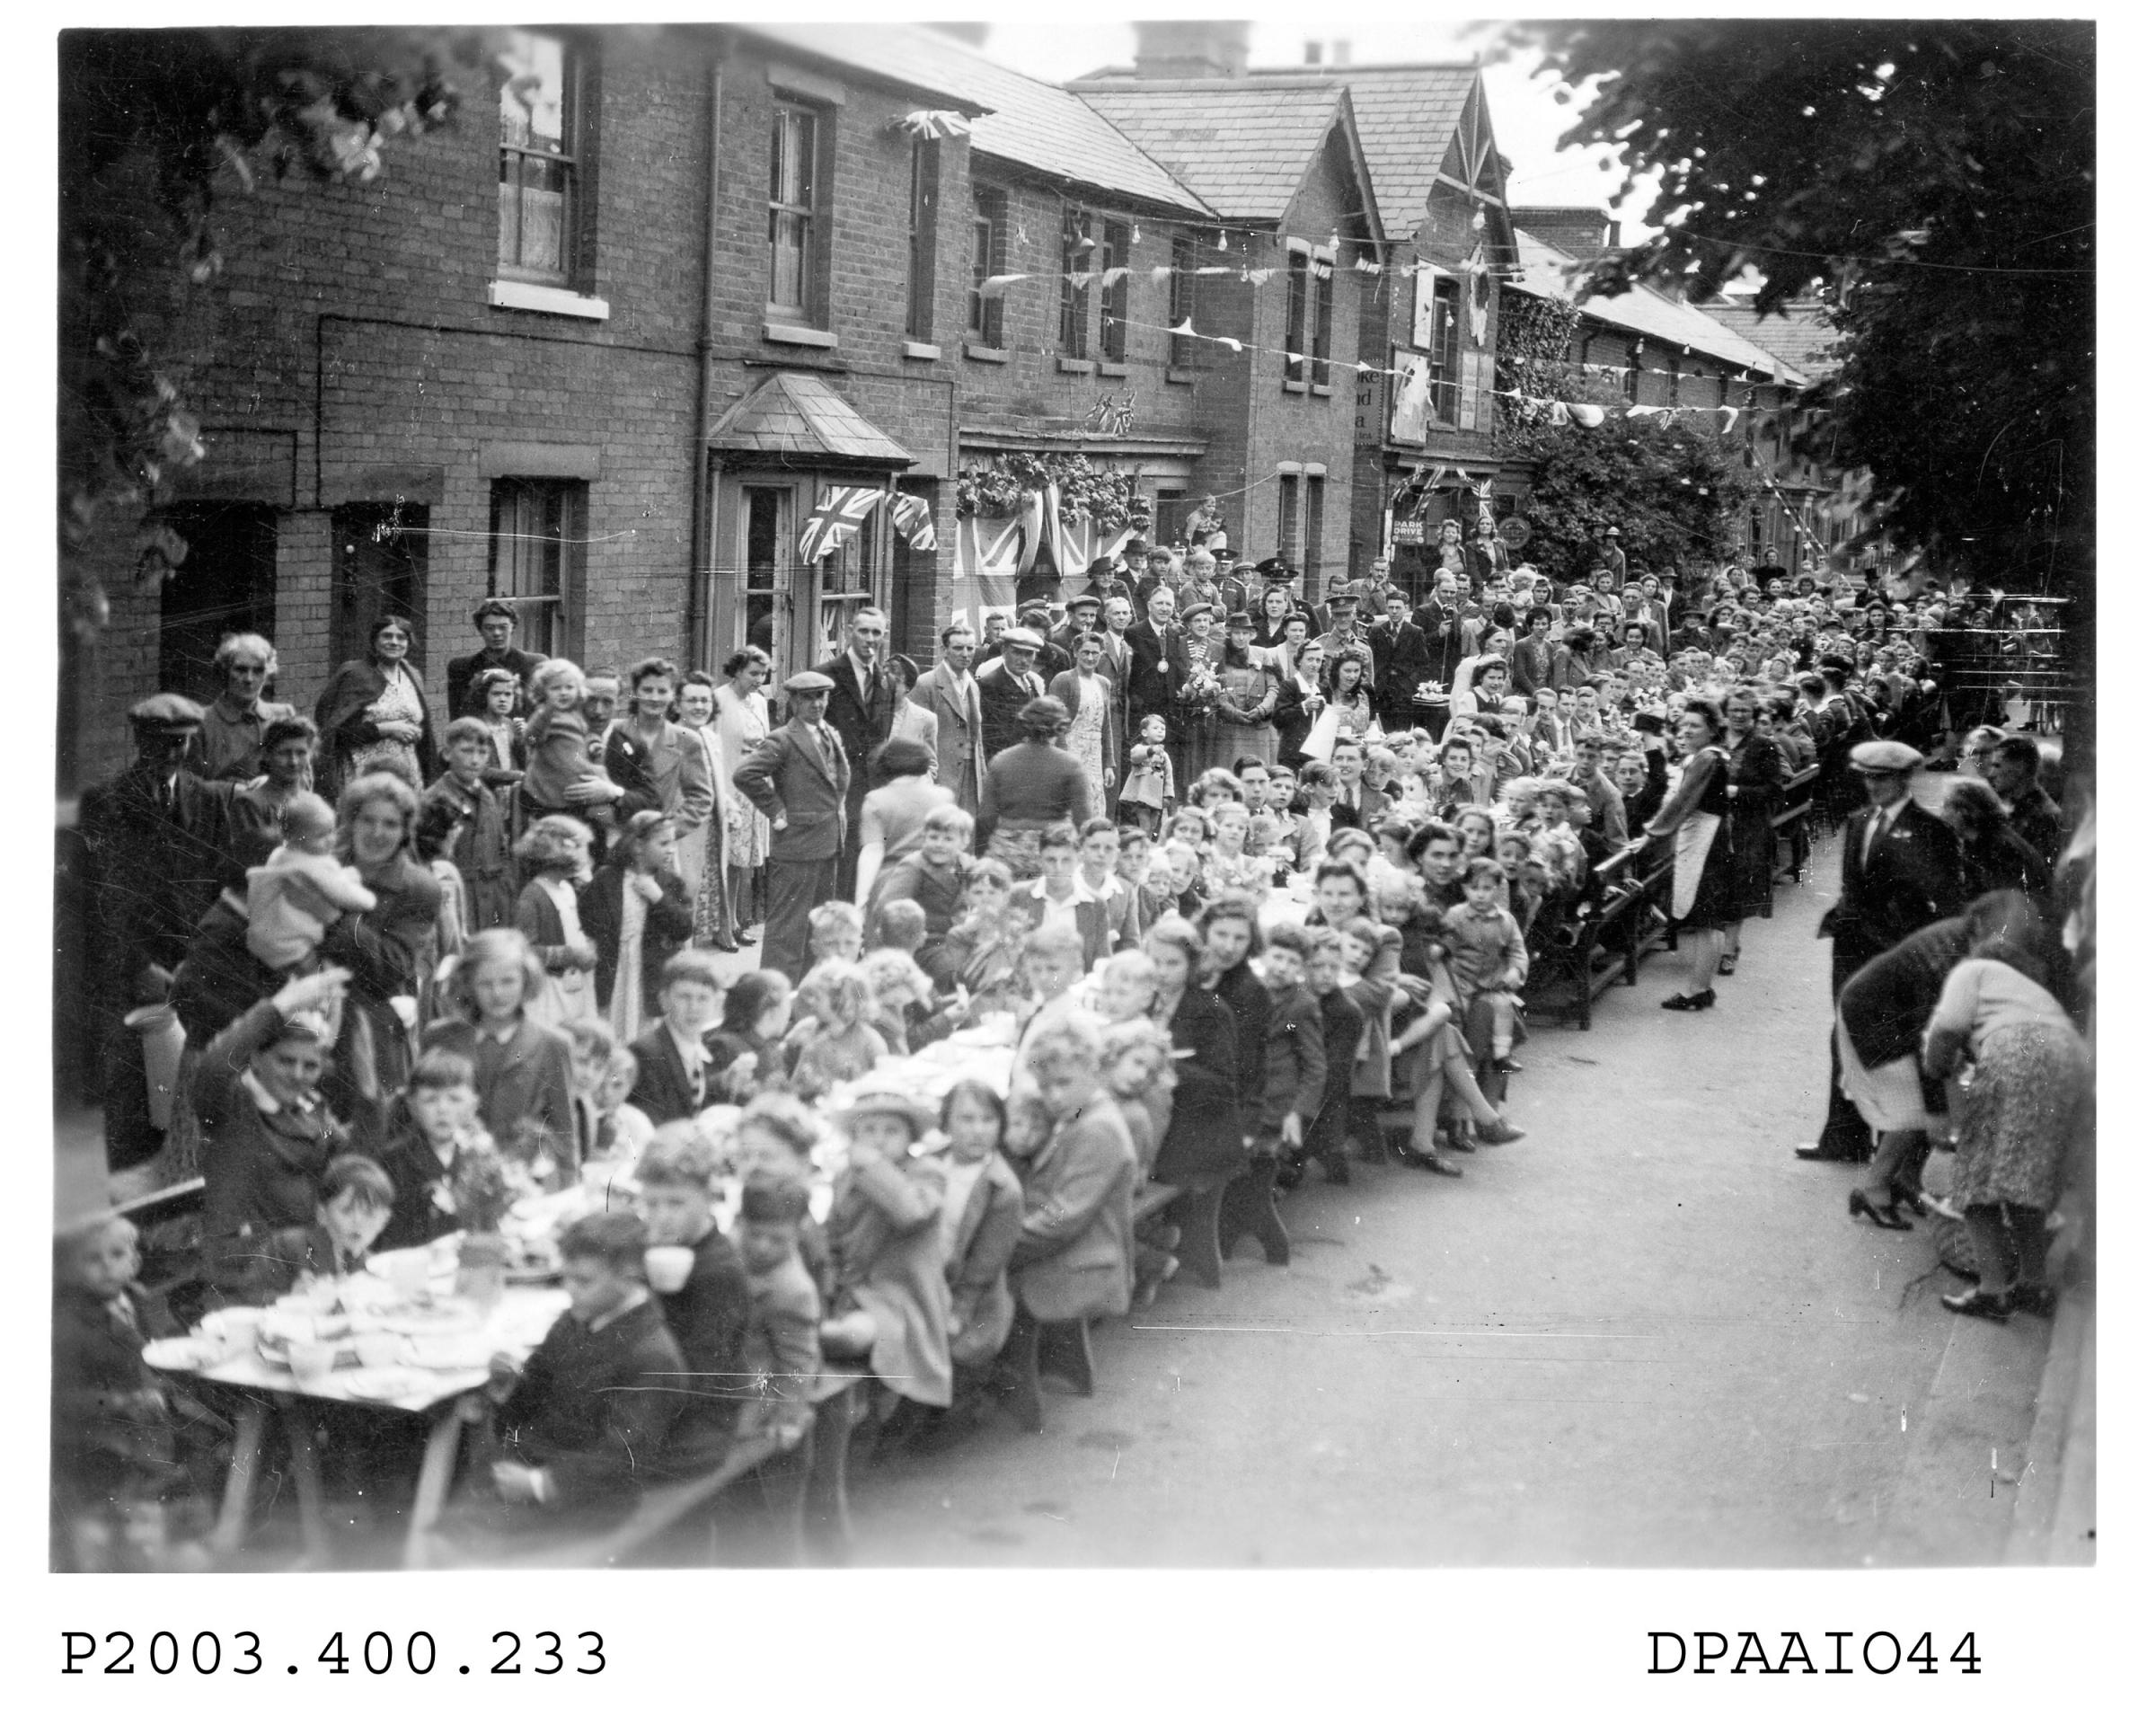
x: 557, y: 849
x: 1124, y: 988
x: 1073, y: 1256
x: 778, y: 1135
x: 521, y: 1067
x: 1342, y: 1023
x: 1295, y: 1070
x: 672, y: 1083
x: 746, y: 1045
x: 1138, y: 1066
x: 707, y: 1309
x: 584, y: 1423
x: 352, y: 1205
x: 982, y: 1204
x: 123, y: 1440
x: 419, y: 1157
x: 932, y: 884
x: 899, y: 989
x: 984, y: 947
x: 781, y: 1355
x: 294, y: 897
x: 1490, y: 967
x: 893, y: 1304
x: 621, y: 1129
x: 834, y: 1043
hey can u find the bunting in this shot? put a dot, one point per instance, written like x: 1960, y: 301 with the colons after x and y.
x: 911, y: 517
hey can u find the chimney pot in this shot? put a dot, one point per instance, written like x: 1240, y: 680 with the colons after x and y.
x: 1203, y: 48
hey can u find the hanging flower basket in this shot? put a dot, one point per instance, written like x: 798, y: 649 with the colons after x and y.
x: 1083, y: 490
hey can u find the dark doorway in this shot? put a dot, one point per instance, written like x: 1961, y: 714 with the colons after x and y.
x: 380, y: 568
x: 227, y: 585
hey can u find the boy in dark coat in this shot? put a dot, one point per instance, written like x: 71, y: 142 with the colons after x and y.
x: 708, y: 1308
x: 1342, y: 1027
x: 1295, y: 1064
x: 462, y: 801
x: 584, y: 1424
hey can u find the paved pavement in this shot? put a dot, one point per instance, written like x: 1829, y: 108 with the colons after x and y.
x: 1644, y: 1335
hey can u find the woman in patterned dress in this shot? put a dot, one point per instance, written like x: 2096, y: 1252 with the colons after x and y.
x: 700, y: 854
x: 743, y: 721
x: 372, y: 715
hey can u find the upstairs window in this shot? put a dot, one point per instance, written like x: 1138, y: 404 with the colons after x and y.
x: 1115, y: 296
x: 921, y: 243
x: 1444, y: 350
x: 541, y: 162
x: 1071, y: 337
x: 795, y: 167
x: 991, y: 223
x: 1294, y: 367
x: 1182, y: 297
x: 1321, y: 320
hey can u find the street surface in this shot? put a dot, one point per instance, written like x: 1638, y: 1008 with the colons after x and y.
x: 1646, y: 1334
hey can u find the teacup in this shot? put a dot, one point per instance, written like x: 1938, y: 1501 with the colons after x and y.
x: 313, y: 1361
x: 667, y: 1267
x: 379, y: 1350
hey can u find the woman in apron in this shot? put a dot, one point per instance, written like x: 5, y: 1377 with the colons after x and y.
x: 1695, y: 816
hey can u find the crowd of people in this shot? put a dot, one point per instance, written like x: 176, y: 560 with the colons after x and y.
x: 1245, y: 887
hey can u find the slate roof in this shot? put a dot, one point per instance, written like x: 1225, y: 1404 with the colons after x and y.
x: 1798, y: 335
x: 1543, y: 273
x: 1243, y: 145
x: 1407, y: 116
x: 792, y: 413
x: 1036, y: 125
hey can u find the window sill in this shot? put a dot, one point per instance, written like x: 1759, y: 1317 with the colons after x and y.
x: 535, y: 297
x: 994, y: 356
x: 1320, y: 389
x: 1181, y: 375
x: 920, y: 350
x: 1079, y: 368
x: 1114, y: 368
x: 797, y: 335
x: 1293, y: 387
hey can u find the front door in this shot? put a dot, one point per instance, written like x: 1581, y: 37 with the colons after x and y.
x: 762, y: 595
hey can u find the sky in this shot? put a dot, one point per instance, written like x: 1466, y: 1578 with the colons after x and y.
x: 1525, y: 113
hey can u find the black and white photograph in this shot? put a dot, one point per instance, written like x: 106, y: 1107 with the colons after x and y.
x: 1313, y: 793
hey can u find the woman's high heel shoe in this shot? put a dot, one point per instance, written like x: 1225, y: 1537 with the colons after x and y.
x: 1977, y: 1303
x: 1884, y: 1215
x: 1698, y: 1003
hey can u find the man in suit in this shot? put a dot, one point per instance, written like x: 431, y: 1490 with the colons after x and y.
x: 1901, y: 871
x: 1447, y: 636
x: 2029, y: 810
x: 1053, y: 658
x: 1356, y: 804
x: 1115, y: 617
x: 797, y: 777
x: 154, y: 855
x: 1082, y: 617
x: 496, y: 621
x: 864, y: 696
x: 1160, y: 665
x: 1004, y: 688
x: 950, y: 693
x: 1401, y: 652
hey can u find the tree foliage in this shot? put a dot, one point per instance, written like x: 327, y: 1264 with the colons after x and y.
x: 1934, y: 181
x: 156, y: 126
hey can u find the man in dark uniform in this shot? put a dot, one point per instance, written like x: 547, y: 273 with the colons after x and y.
x: 496, y: 621
x: 1901, y: 871
x: 154, y: 844
x: 864, y: 697
x: 797, y: 777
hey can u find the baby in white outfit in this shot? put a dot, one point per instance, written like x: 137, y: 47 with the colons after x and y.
x: 294, y: 897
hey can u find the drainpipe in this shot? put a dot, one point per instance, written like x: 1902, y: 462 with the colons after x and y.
x: 701, y: 550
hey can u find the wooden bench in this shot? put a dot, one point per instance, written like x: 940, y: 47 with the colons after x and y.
x: 1599, y: 943
x: 1793, y: 827
x: 169, y: 1221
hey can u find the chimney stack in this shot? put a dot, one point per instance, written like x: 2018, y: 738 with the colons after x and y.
x: 1204, y: 47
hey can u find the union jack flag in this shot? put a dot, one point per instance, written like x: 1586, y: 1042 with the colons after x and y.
x: 837, y: 518
x: 910, y: 515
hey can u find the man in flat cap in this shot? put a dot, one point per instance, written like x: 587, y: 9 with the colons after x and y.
x: 153, y: 843
x: 1901, y: 871
x: 1005, y: 686
x: 798, y: 777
